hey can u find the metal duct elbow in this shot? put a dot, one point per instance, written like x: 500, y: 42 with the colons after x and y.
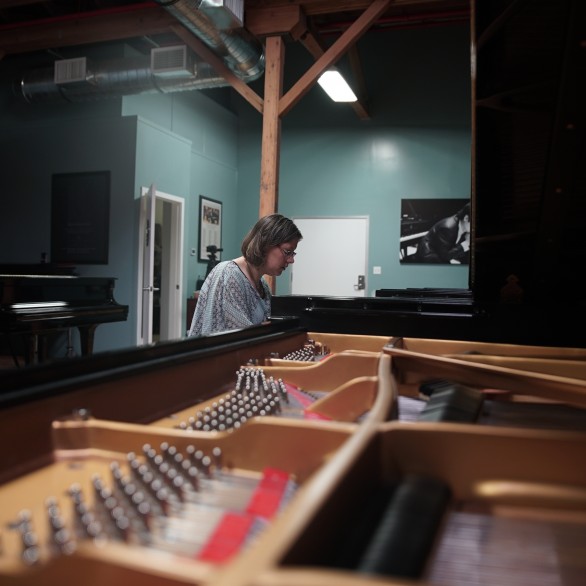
x: 218, y: 28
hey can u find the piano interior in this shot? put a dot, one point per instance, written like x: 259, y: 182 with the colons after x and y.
x: 333, y: 484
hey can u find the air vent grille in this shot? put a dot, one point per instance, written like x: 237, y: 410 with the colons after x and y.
x: 171, y: 61
x: 70, y: 70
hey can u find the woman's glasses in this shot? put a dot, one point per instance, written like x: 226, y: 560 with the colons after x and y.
x: 288, y: 253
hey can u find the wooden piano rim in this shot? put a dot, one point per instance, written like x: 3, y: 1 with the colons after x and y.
x: 443, y: 347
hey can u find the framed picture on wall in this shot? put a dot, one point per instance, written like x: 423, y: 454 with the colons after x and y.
x: 210, y: 228
x: 80, y: 217
x: 435, y: 231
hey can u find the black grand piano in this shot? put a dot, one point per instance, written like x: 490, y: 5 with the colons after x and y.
x: 37, y: 301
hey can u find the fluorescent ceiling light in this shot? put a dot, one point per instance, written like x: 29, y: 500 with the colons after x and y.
x: 336, y: 87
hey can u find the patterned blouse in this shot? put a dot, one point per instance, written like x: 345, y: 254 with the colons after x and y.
x: 228, y: 301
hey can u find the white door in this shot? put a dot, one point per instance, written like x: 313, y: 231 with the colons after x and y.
x: 332, y: 257
x: 163, y: 214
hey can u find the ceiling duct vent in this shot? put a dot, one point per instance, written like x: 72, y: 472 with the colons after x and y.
x: 171, y: 62
x: 70, y: 70
x: 225, y: 14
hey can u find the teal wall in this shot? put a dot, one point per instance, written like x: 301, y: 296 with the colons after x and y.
x: 417, y: 144
x: 30, y: 156
x: 139, y: 147
x: 187, y: 147
x: 163, y: 160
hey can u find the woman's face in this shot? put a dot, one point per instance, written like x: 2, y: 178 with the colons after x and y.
x: 279, y: 258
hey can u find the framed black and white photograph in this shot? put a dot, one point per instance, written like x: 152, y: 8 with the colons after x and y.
x: 210, y: 228
x: 435, y: 231
x: 80, y: 217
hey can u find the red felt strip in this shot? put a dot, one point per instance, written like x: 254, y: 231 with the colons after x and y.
x: 269, y: 493
x: 228, y: 538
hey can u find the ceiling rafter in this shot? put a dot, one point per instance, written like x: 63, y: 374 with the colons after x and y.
x: 82, y: 28
x: 333, y: 53
x: 98, y: 21
x: 315, y: 46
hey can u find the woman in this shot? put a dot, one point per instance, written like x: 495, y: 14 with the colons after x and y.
x: 234, y: 294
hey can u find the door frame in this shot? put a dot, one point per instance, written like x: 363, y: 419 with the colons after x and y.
x: 171, y: 327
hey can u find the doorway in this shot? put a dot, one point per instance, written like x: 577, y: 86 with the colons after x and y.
x: 160, y: 267
x: 333, y: 257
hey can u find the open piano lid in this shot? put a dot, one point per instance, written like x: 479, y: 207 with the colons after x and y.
x: 529, y: 181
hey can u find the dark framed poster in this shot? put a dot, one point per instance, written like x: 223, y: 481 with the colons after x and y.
x: 210, y: 227
x: 80, y: 217
x: 435, y: 231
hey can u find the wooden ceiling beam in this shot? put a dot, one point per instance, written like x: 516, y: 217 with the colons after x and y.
x: 340, y: 46
x: 84, y: 28
x: 207, y: 55
x: 284, y: 21
x: 312, y: 44
x: 360, y: 89
x: 323, y: 7
x: 271, y: 132
x: 290, y: 21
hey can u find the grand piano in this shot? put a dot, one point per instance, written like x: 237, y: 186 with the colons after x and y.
x: 517, y: 493
x: 37, y: 301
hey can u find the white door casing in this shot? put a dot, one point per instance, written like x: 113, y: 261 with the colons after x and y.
x: 172, y: 262
x: 147, y: 232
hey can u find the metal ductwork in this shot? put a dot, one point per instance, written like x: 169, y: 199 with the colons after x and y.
x: 79, y: 80
x: 219, y: 27
x: 212, y: 21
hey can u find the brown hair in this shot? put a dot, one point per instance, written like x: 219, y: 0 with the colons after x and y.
x: 269, y: 231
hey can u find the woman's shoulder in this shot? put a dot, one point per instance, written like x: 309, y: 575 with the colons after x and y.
x: 221, y: 271
x: 225, y: 265
x: 228, y: 269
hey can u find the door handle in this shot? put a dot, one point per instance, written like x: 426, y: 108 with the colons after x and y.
x: 361, y: 283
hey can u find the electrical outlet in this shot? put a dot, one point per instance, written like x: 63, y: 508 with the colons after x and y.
x: 377, y: 270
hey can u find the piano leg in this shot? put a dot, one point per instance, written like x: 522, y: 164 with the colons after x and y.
x: 70, y: 352
x: 32, y: 349
x: 86, y: 338
x: 37, y: 345
x: 36, y: 348
x: 7, y: 346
